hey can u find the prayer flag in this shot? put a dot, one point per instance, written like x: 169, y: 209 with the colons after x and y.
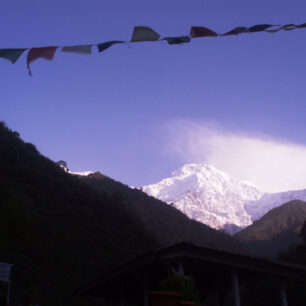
x: 237, y: 31
x: 82, y: 49
x: 201, y: 32
x: 286, y: 27
x: 142, y: 33
x: 35, y: 53
x: 11, y: 54
x: 301, y: 26
x: 106, y: 45
x: 272, y: 31
x: 177, y: 40
x: 259, y: 27
x: 289, y: 27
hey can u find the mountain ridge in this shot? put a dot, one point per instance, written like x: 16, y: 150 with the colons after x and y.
x: 269, y: 201
x: 52, y: 221
x: 274, y: 232
x: 168, y: 224
x: 213, y: 197
x: 203, y: 193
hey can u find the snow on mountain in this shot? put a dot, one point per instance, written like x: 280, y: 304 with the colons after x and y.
x: 256, y: 209
x: 85, y: 173
x: 211, y: 196
x: 208, y: 195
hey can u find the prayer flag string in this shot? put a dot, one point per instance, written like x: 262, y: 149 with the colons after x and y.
x: 140, y: 34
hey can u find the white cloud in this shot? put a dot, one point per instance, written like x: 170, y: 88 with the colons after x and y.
x: 272, y: 165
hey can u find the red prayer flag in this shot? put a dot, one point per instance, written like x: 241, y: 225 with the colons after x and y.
x: 35, y: 53
x: 201, y: 32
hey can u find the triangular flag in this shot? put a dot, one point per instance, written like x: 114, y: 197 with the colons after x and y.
x: 106, y: 45
x: 237, y: 31
x: 272, y: 31
x: 201, y: 32
x: 82, y: 49
x: 142, y: 33
x: 35, y: 53
x: 289, y: 27
x: 11, y: 54
x: 303, y: 25
x: 177, y: 40
x: 259, y: 27
x: 286, y: 27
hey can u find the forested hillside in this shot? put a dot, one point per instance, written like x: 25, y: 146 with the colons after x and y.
x: 276, y: 230
x: 168, y: 224
x: 61, y: 233
x: 58, y: 232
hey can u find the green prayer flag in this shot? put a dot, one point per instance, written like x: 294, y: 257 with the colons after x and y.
x: 11, y: 54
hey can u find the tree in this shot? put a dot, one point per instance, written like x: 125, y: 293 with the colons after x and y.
x: 63, y: 164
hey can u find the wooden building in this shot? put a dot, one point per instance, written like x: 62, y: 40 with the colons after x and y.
x: 222, y: 278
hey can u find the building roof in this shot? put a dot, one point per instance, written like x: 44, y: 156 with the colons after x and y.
x: 205, y: 264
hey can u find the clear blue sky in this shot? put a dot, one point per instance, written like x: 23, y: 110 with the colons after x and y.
x: 109, y: 111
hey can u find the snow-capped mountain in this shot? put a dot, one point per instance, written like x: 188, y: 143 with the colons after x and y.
x: 211, y: 196
x: 208, y: 195
x: 256, y: 209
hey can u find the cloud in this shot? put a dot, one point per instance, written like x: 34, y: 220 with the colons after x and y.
x: 273, y: 165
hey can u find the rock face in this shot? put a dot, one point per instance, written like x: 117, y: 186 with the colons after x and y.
x: 208, y: 195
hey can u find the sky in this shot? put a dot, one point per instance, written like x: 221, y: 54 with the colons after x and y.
x: 136, y: 112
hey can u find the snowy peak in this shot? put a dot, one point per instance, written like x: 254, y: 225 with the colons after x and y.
x: 207, y: 194
x: 192, y: 177
x: 190, y: 169
x: 213, y: 197
x: 256, y: 209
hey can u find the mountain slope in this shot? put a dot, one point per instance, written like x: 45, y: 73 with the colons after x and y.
x: 212, y: 197
x: 168, y: 224
x: 206, y: 194
x: 58, y: 232
x: 256, y: 209
x: 276, y: 230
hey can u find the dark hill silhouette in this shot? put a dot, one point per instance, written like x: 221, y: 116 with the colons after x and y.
x: 276, y: 230
x: 168, y: 224
x: 61, y: 233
